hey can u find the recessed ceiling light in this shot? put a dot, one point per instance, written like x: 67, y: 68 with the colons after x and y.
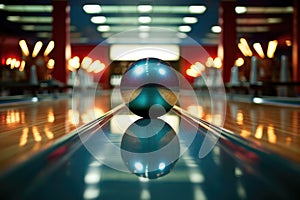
x: 240, y: 9
x: 216, y: 29
x: 184, y: 28
x: 190, y: 20
x: 98, y: 19
x: 144, y: 8
x: 197, y: 9
x: 144, y: 19
x: 104, y: 28
x: 92, y: 8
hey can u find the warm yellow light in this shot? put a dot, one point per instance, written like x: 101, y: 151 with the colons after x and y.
x: 272, y: 138
x: 272, y: 48
x: 24, y: 137
x: 8, y: 61
x: 22, y: 66
x: 49, y: 48
x: 209, y: 62
x: 37, y: 48
x: 258, y: 49
x: 74, y: 63
x: 288, y: 43
x: 217, y: 62
x: 244, y: 47
x: 259, y: 132
x: 17, y: 64
x: 24, y: 47
x: 49, y: 134
x: 13, y: 63
x: 239, y: 62
x: 86, y: 62
x: 51, y: 117
x: 36, y: 134
x: 50, y: 64
x: 240, y: 118
x: 191, y: 72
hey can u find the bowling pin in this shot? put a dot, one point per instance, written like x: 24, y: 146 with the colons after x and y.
x: 33, y: 75
x: 253, y: 73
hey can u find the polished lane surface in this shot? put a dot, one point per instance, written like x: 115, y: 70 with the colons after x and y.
x: 233, y: 169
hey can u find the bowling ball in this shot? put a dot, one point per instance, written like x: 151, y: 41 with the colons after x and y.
x: 150, y: 87
x: 150, y: 148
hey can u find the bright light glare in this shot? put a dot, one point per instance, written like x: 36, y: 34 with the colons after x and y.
x: 98, y: 19
x: 144, y: 8
x: 272, y: 48
x: 90, y: 9
x: 258, y: 49
x: 86, y: 62
x: 138, y: 166
x: 144, y: 19
x: 161, y: 166
x: 240, y: 9
x: 104, y: 28
x: 184, y: 28
x: 197, y: 9
x: 24, y: 47
x: 216, y: 29
x: 190, y: 20
x: 50, y: 64
x: 258, y: 100
x: 239, y: 62
x: 49, y: 48
x: 37, y: 48
x: 217, y: 62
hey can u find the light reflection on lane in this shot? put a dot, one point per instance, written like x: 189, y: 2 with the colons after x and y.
x: 29, y: 128
x: 275, y: 127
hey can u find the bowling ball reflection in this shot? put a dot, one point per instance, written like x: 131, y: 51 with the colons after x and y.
x: 150, y: 148
x: 150, y: 87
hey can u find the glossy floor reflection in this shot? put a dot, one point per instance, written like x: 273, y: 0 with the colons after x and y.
x: 94, y: 166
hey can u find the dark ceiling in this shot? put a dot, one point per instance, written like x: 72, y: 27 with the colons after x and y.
x: 85, y: 32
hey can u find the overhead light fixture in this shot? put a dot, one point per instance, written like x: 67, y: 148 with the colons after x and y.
x: 216, y: 29
x: 190, y: 20
x: 256, y: 21
x: 98, y: 19
x: 144, y: 8
x: 199, y: 9
x: 2, y: 6
x: 144, y: 19
x: 92, y: 8
x: 184, y: 28
x: 30, y: 19
x: 258, y: 49
x: 240, y: 9
x: 49, y: 48
x: 37, y: 48
x: 24, y: 47
x: 103, y: 28
x: 252, y: 29
x: 27, y: 8
x: 272, y: 48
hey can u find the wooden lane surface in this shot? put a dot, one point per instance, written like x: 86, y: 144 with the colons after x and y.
x: 28, y: 128
x: 276, y: 128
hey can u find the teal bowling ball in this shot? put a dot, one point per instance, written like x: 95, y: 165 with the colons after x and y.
x: 150, y: 148
x: 150, y: 87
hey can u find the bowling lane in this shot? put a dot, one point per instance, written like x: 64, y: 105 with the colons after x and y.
x: 97, y: 165
x: 27, y: 128
x: 274, y: 127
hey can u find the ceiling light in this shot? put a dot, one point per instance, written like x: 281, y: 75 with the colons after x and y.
x: 98, y: 19
x: 2, y: 6
x: 216, y: 29
x: 144, y: 8
x: 190, y: 20
x: 92, y: 8
x: 252, y: 29
x: 144, y: 19
x: 259, y: 50
x: 28, y: 8
x: 269, y: 10
x: 184, y: 28
x: 240, y: 9
x: 104, y: 28
x: 259, y: 20
x: 197, y: 9
x: 30, y: 19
